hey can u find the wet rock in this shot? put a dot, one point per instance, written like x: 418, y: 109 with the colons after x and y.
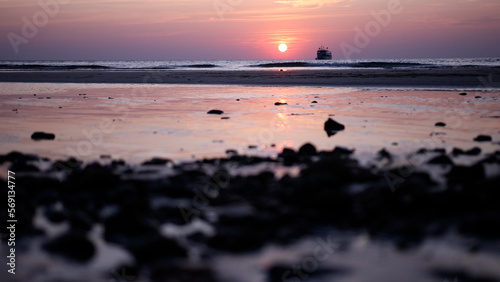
x: 314, y: 102
x: 342, y: 152
x: 332, y: 127
x: 457, y: 152
x: 307, y: 149
x: 215, y: 112
x: 288, y: 156
x: 441, y: 160
x: 483, y: 138
x: 440, y: 124
x: 42, y: 136
x: 71, y: 245
x: 483, y: 225
x: 473, y: 152
x: 67, y: 165
x: 225, y: 118
x: 280, y: 104
x: 155, y: 247
x: 157, y: 161
x: 20, y: 166
x: 56, y: 216
x: 478, y: 97
x: 198, y: 273
x: 463, y: 94
x: 384, y: 154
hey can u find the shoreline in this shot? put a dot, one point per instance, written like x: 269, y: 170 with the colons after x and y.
x: 432, y: 77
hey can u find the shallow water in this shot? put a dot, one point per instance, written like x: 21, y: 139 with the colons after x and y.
x: 171, y: 121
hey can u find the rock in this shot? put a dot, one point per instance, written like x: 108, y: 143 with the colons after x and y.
x: 332, y: 127
x: 441, y: 124
x: 384, y: 154
x: 215, y: 112
x: 74, y: 246
x: 483, y: 138
x: 154, y: 248
x: 307, y: 149
x: 280, y: 104
x: 225, y: 118
x: 478, y: 97
x: 342, y: 152
x: 457, y: 152
x: 43, y: 136
x: 441, y: 160
x: 157, y: 161
x: 474, y: 151
x: 289, y: 156
x: 463, y: 94
x: 314, y: 102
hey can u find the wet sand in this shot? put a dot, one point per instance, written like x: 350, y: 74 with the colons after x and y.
x: 137, y: 184
x: 463, y: 77
x: 137, y: 122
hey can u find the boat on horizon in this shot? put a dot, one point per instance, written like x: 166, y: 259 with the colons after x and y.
x: 323, y: 53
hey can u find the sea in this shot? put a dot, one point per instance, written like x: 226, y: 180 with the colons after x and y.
x: 251, y: 64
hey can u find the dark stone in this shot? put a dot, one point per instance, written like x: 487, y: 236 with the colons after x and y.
x: 225, y: 118
x: 157, y: 161
x: 384, y: 154
x: 173, y: 272
x: 332, y: 127
x: 474, y: 151
x: 483, y: 138
x: 56, y: 216
x: 280, y: 104
x: 342, y: 152
x: 289, y: 156
x: 215, y: 112
x: 24, y: 167
x: 463, y: 94
x: 478, y: 97
x: 307, y: 149
x: 314, y: 102
x: 441, y: 124
x: 441, y: 160
x: 71, y: 245
x: 457, y: 152
x: 154, y: 248
x: 42, y: 136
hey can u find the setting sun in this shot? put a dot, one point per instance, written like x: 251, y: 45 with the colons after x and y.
x: 282, y: 47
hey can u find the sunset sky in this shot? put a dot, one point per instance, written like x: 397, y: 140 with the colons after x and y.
x: 246, y: 29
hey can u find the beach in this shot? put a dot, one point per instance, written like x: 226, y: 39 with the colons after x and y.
x: 440, y: 77
x: 239, y: 175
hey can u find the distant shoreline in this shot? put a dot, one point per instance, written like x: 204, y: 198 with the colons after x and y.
x: 487, y: 77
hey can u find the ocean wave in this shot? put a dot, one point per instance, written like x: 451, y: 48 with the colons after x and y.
x: 201, y: 66
x: 50, y: 67
x: 281, y: 65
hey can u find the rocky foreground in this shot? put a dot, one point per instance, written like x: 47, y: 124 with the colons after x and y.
x: 239, y: 212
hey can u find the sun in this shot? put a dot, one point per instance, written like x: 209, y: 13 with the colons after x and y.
x: 282, y: 47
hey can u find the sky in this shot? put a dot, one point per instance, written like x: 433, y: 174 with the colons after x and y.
x: 247, y: 29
